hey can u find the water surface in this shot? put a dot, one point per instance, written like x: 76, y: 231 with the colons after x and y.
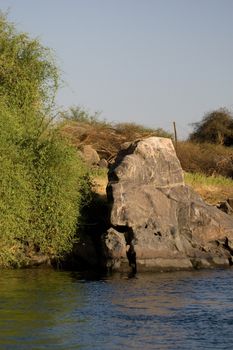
x: 46, y: 309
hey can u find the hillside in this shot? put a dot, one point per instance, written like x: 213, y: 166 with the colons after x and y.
x: 208, y: 167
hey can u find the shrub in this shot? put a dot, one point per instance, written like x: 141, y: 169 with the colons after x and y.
x: 215, y: 127
x: 28, y: 75
x: 205, y: 158
x: 43, y: 183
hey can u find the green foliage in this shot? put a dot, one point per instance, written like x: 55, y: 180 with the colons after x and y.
x: 43, y: 183
x: 43, y: 186
x: 60, y: 185
x: 215, y: 127
x: 15, y: 190
x: 28, y: 75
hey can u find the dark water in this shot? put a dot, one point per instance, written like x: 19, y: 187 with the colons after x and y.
x: 44, y: 309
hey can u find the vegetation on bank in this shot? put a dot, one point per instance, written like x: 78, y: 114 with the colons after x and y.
x: 208, y: 165
x: 43, y: 183
x: 45, y: 186
x: 81, y: 128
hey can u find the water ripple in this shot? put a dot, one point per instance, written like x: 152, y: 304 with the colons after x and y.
x: 44, y: 309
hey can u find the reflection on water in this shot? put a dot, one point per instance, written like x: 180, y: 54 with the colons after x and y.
x: 37, y: 309
x: 44, y: 309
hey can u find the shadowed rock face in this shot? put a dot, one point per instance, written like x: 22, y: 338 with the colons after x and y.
x: 159, y: 223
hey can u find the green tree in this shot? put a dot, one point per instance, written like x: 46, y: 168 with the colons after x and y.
x: 215, y: 127
x: 28, y: 74
x: 43, y: 183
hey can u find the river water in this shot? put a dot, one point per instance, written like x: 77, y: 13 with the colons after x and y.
x: 46, y: 309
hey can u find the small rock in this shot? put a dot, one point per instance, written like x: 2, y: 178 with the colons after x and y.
x: 90, y: 155
x: 103, y: 163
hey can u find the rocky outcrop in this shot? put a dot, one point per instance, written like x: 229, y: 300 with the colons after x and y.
x: 157, y: 222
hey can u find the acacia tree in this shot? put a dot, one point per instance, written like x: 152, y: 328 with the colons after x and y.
x: 42, y: 182
x: 215, y: 127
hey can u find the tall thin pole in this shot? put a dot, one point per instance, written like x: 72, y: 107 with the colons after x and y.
x: 175, y: 134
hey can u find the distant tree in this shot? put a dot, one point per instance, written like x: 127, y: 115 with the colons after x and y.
x: 81, y: 115
x: 215, y: 127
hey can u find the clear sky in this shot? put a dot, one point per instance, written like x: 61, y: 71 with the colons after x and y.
x: 146, y: 61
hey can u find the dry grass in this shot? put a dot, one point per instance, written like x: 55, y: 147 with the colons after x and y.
x: 205, y: 158
x: 212, y: 189
x: 214, y: 194
x: 106, y: 138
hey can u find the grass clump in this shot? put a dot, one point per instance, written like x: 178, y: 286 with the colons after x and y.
x: 202, y: 179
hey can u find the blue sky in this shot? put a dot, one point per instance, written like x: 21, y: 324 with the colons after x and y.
x: 146, y: 61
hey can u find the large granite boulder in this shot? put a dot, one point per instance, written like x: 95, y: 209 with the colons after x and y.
x: 157, y: 222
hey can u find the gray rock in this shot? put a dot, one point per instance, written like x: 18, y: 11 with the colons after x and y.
x: 90, y: 155
x: 103, y: 163
x: 115, y: 250
x: 159, y: 222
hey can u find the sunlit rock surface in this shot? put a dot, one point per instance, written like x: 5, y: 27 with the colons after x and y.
x: 157, y: 222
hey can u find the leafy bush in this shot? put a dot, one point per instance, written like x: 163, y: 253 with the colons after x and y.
x: 43, y: 183
x: 28, y: 75
x: 215, y: 127
x: 43, y: 186
x: 60, y: 182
